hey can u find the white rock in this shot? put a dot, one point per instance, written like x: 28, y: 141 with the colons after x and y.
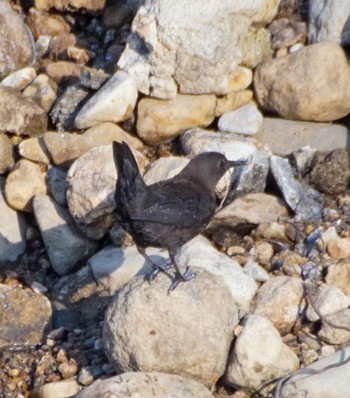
x: 256, y: 271
x: 326, y: 378
x: 252, y: 361
x: 173, y: 44
x: 196, y: 141
x: 329, y: 299
x: 19, y: 79
x: 328, y: 20
x: 148, y: 330
x: 114, y: 102
x: 146, y: 385
x: 244, y: 120
x: 64, y: 243
x: 335, y: 328
x: 199, y: 252
x: 164, y: 168
x: 12, y: 233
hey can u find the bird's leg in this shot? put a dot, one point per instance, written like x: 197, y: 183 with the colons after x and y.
x: 179, y: 277
x: 156, y: 268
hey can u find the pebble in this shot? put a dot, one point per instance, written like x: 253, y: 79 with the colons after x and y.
x: 338, y: 275
x: 6, y: 153
x: 43, y: 91
x: 19, y: 79
x: 34, y: 149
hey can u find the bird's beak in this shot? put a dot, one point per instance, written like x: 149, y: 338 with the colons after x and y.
x: 240, y: 162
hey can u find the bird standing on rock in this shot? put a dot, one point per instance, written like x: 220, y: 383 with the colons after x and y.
x: 168, y: 213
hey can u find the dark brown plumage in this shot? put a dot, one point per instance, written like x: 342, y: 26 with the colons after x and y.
x: 168, y: 213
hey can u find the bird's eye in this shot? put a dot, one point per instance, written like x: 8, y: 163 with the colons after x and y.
x: 221, y: 163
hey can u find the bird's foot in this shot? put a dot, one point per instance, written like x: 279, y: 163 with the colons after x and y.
x: 157, y: 269
x: 185, y: 277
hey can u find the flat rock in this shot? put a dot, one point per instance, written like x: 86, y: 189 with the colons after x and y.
x: 280, y: 300
x: 173, y: 44
x: 25, y: 316
x: 25, y: 180
x: 6, y: 153
x: 64, y: 243
x: 17, y: 47
x: 135, y: 336
x: 319, y: 69
x: 162, y: 120
x: 147, y: 385
x: 286, y: 136
x: 58, y: 389
x: 328, y: 20
x: 91, y: 187
x: 253, y: 208
x: 326, y: 378
x: 20, y: 115
x: 245, y: 120
x: 252, y: 362
x: 114, y: 102
x: 199, y: 252
x: 12, y: 233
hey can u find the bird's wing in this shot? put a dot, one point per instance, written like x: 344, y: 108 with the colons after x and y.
x: 179, y: 206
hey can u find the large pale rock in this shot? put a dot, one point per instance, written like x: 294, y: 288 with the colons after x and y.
x: 280, y: 300
x: 143, y: 319
x: 25, y: 316
x: 19, y: 79
x: 252, y: 361
x: 199, y: 252
x: 17, y: 47
x: 335, y: 327
x: 286, y: 136
x: 20, y: 115
x: 114, y: 102
x: 63, y: 241
x: 146, y: 385
x: 320, y: 69
x: 62, y: 388
x: 12, y: 233
x: 25, y: 180
x: 329, y: 20
x: 180, y: 45
x: 91, y: 187
x: 163, y: 120
x: 326, y: 378
x: 338, y: 275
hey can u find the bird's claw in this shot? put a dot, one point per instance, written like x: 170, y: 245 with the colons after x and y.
x: 185, y: 277
x: 154, y: 275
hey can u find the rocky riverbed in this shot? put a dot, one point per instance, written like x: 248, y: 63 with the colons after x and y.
x: 268, y: 314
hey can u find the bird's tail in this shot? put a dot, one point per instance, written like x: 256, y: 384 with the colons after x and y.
x: 125, y: 163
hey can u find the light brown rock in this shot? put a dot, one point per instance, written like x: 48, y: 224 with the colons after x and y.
x: 106, y: 133
x: 43, y: 91
x: 280, y: 300
x: 64, y: 5
x: 320, y: 70
x: 57, y: 389
x: 42, y: 24
x: 25, y: 180
x: 62, y: 71
x: 162, y: 120
x: 339, y: 275
x: 34, y: 149
x: 339, y: 248
x: 65, y: 148
x: 20, y: 115
x: 232, y: 101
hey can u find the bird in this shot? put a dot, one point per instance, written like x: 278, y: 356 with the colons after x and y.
x: 170, y: 212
